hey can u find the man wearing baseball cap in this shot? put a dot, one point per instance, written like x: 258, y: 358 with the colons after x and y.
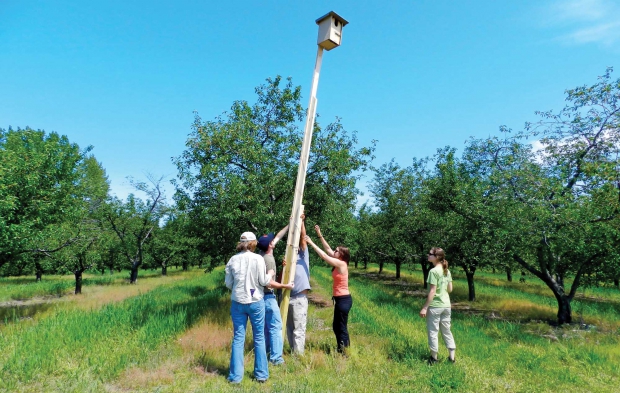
x: 246, y: 276
x: 273, y: 320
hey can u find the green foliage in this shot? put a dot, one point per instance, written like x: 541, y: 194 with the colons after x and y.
x: 553, y: 211
x: 134, y: 222
x: 561, y: 203
x: 49, y: 189
x: 238, y: 172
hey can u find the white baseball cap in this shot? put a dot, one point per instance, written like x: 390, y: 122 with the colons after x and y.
x: 247, y: 237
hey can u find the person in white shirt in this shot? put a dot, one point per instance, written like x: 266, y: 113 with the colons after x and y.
x: 246, y: 277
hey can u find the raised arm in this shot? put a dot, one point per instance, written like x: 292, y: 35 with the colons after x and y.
x: 334, y: 262
x: 302, y: 241
x: 280, y: 235
x: 326, y: 246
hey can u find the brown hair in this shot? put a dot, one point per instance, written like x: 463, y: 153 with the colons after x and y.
x: 344, y: 253
x: 247, y: 246
x: 440, y: 254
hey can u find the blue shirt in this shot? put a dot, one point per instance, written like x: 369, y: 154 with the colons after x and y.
x: 302, y: 272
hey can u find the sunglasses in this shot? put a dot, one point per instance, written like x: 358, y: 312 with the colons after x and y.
x: 431, y: 255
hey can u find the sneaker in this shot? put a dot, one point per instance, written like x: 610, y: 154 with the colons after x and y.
x: 452, y: 360
x: 431, y: 360
x: 261, y: 380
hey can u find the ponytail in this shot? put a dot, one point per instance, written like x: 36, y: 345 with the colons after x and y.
x: 440, y: 254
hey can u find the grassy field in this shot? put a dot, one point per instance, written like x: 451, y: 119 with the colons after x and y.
x: 172, y: 334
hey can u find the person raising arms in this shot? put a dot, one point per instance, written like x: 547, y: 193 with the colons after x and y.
x: 297, y: 316
x: 338, y: 259
x: 273, y: 320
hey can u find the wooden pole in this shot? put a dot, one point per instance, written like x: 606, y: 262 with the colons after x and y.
x: 294, y: 229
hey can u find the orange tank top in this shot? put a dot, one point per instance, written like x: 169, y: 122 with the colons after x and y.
x: 341, y: 283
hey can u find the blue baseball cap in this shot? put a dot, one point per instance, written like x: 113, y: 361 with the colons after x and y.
x: 263, y: 241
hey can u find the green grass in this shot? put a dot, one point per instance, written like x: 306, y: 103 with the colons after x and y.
x: 494, y: 355
x: 531, y: 300
x: 176, y: 338
x: 100, y: 344
x: 23, y: 288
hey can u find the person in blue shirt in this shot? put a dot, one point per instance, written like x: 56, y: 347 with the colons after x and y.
x: 298, y: 303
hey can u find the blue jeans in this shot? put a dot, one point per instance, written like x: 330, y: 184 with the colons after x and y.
x: 240, y: 314
x: 273, y: 329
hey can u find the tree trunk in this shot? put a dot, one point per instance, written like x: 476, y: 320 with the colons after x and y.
x: 564, y: 309
x: 164, y: 270
x: 185, y: 266
x: 380, y: 267
x: 38, y: 270
x: 133, y: 276
x: 508, y: 273
x: 616, y: 282
x: 78, y: 282
x: 356, y: 263
x: 470, y: 285
x: 425, y: 269
x: 398, y: 264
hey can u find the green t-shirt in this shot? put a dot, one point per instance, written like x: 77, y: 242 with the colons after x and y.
x: 270, y: 264
x: 436, y: 277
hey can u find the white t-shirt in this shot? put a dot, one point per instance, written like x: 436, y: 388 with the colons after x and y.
x: 246, y: 277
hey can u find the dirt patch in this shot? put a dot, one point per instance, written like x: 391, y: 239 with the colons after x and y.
x: 138, y: 378
x: 319, y: 300
x: 30, y: 302
x: 415, y: 293
x: 205, y: 337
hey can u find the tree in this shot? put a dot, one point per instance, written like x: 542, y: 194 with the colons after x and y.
x: 459, y: 197
x: 134, y: 221
x: 563, y: 198
x: 238, y: 171
x: 394, y: 192
x: 47, y: 185
x: 172, y: 242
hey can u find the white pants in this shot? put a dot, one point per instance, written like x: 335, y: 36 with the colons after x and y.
x: 296, y: 323
x: 439, y: 319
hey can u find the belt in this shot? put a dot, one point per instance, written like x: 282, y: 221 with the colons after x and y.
x: 299, y: 295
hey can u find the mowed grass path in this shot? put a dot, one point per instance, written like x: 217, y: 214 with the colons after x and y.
x: 176, y: 338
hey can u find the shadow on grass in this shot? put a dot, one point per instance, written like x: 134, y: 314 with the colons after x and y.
x: 209, y: 364
x: 15, y: 313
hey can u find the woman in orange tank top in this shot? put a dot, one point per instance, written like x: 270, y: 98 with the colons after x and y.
x: 338, y: 259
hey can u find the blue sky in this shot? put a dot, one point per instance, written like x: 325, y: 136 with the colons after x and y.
x: 126, y: 76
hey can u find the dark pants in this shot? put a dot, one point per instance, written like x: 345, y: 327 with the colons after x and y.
x: 342, y: 305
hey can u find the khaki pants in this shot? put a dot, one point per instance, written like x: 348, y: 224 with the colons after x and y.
x: 296, y: 323
x: 438, y: 319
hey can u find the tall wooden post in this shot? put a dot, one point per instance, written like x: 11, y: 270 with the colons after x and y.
x: 294, y: 229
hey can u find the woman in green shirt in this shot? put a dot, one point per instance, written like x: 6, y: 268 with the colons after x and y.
x: 437, y: 310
